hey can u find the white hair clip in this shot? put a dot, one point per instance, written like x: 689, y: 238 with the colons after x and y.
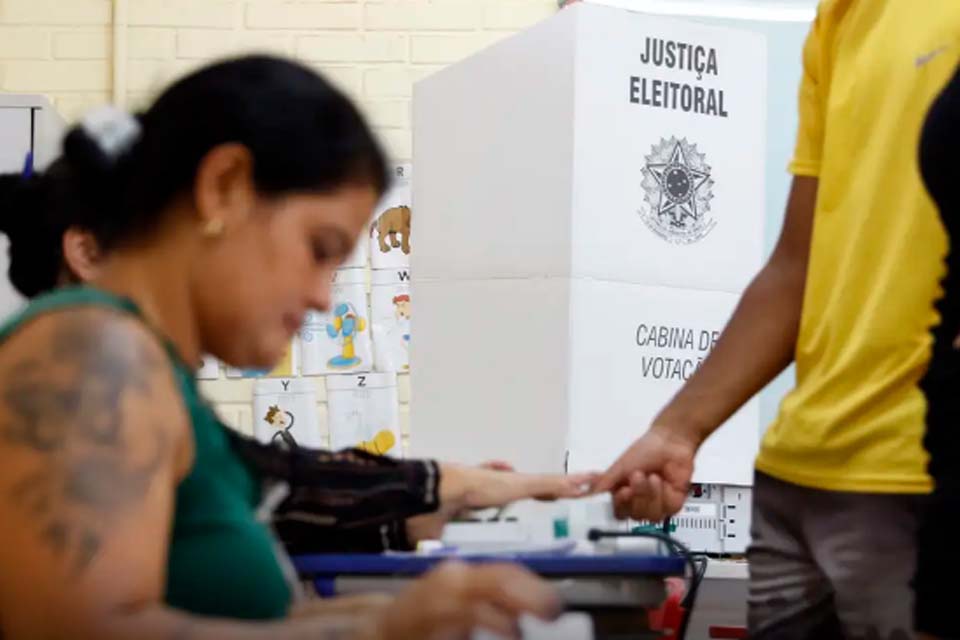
x: 113, y: 130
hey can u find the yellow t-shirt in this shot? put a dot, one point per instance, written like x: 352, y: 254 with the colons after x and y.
x: 855, y: 420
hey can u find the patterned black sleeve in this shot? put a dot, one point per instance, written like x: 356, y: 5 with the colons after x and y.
x: 300, y: 536
x: 343, y: 501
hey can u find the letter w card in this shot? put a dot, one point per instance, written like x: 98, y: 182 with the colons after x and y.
x: 391, y: 311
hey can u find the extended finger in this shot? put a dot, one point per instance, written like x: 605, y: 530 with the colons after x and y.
x: 640, y: 499
x: 585, y: 483
x: 572, y: 486
x: 611, y: 478
x: 657, y: 509
x: 622, y: 503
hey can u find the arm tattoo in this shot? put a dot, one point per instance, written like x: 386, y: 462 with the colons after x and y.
x: 66, y: 404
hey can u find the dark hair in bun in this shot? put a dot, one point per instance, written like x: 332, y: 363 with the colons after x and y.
x: 34, y: 214
x: 119, y: 173
x: 304, y: 136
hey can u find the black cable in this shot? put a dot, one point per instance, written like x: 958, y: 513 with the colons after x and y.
x: 697, y: 563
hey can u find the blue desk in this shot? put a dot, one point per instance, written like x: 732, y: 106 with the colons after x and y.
x: 547, y: 565
x: 615, y: 589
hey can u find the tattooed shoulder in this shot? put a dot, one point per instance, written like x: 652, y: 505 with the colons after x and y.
x: 80, y: 397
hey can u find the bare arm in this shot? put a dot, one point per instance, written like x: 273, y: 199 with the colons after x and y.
x: 93, y: 439
x: 760, y: 339
x: 651, y: 478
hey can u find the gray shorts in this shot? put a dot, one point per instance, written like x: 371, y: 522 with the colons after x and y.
x: 830, y: 564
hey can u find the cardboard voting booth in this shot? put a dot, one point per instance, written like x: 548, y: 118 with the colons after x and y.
x: 590, y: 206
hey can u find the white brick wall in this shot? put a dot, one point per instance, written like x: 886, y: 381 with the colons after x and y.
x: 513, y: 16
x: 67, y: 75
x: 24, y: 43
x: 204, y: 44
x: 82, y: 45
x: 435, y: 49
x: 59, y: 12
x: 183, y: 13
x: 354, y: 47
x: 394, y: 81
x: 303, y: 15
x: 417, y: 15
x: 144, y: 43
x: 374, y: 50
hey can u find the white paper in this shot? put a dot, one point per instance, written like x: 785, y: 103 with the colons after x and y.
x: 339, y: 341
x: 390, y: 310
x: 364, y: 411
x: 390, y: 239
x: 285, y: 410
x: 210, y: 369
x: 569, y: 626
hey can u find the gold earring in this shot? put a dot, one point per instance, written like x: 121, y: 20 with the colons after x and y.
x: 213, y: 228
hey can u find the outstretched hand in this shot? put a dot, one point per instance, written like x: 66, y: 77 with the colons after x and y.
x: 650, y: 481
x: 492, y: 485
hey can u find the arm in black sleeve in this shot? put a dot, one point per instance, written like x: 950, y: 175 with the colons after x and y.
x: 344, y: 490
x: 299, y: 536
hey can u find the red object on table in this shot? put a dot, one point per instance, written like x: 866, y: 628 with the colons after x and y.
x: 734, y: 633
x: 668, y: 618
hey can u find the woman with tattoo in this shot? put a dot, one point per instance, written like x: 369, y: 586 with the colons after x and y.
x: 126, y: 512
x: 344, y: 501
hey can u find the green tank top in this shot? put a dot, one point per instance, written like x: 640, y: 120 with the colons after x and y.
x: 223, y: 562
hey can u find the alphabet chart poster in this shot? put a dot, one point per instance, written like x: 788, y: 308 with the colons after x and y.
x: 391, y: 310
x: 284, y: 369
x: 285, y: 411
x: 210, y: 369
x: 339, y: 341
x: 390, y: 231
x: 364, y: 411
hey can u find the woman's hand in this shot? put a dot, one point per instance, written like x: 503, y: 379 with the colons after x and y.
x: 464, y: 488
x: 454, y: 599
x: 651, y: 479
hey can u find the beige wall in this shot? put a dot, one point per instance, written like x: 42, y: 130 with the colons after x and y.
x: 374, y: 49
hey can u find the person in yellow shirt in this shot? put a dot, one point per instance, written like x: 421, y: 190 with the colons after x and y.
x: 847, y: 295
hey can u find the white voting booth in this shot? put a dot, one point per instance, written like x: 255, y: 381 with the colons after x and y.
x: 590, y: 205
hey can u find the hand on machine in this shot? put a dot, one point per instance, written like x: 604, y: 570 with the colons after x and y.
x: 493, y: 484
x: 651, y: 479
